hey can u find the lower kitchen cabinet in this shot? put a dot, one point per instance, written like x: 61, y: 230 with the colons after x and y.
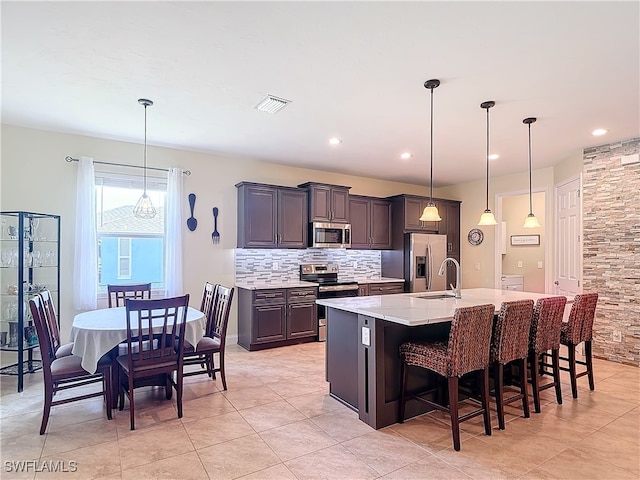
x: 276, y: 317
x: 386, y: 288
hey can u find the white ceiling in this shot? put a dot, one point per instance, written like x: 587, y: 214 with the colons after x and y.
x: 352, y: 69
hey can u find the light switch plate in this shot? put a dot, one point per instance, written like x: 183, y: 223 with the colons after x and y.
x: 366, y: 338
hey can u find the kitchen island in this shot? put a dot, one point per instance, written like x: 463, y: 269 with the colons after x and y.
x: 364, y: 334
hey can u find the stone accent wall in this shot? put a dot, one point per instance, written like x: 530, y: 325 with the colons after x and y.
x: 255, y: 265
x: 611, y: 247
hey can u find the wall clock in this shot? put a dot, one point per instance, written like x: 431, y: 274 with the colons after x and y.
x: 475, y: 236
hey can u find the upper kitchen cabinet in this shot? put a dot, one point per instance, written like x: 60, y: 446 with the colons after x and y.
x: 370, y: 222
x: 271, y: 216
x: 406, y: 213
x: 327, y: 203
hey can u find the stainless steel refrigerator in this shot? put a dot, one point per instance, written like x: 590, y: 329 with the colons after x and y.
x: 418, y: 262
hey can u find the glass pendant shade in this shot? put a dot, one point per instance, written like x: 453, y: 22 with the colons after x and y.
x: 487, y: 218
x: 531, y: 221
x: 144, y: 208
x: 430, y: 214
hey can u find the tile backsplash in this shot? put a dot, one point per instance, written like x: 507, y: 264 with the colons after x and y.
x: 259, y: 265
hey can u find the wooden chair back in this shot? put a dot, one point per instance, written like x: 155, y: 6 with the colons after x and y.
x: 51, y: 319
x: 119, y: 293
x: 47, y: 352
x: 217, y: 322
x: 162, y: 324
x: 208, y: 299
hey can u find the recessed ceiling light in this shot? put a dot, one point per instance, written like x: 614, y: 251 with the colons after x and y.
x: 335, y: 141
x: 494, y: 156
x: 405, y: 155
x: 599, y: 131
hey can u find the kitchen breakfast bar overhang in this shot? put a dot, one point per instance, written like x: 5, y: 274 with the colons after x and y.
x: 365, y: 333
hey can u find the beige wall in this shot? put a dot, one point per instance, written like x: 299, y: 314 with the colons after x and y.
x: 35, y: 177
x: 514, y: 210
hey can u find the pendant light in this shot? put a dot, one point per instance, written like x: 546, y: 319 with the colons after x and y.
x: 144, y: 208
x: 487, y: 217
x: 430, y: 213
x: 531, y: 221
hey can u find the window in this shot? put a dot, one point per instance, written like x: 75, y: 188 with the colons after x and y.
x: 130, y: 250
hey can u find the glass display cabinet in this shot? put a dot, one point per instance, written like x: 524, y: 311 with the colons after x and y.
x: 29, y: 263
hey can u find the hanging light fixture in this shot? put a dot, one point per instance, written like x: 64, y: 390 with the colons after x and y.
x: 144, y: 208
x: 531, y: 221
x: 430, y: 213
x: 487, y: 217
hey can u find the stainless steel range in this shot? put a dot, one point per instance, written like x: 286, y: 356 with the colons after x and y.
x: 329, y: 286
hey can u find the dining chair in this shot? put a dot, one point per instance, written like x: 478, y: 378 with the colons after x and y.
x: 579, y: 329
x: 510, y: 343
x: 49, y: 310
x: 65, y: 372
x: 164, y: 320
x: 215, y: 335
x: 119, y: 293
x: 544, y: 337
x: 467, y: 350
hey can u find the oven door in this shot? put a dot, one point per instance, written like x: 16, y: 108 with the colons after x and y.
x: 322, y: 310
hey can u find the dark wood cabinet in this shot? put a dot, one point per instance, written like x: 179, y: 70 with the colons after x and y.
x: 327, y: 203
x: 270, y: 216
x: 450, y: 225
x: 407, y: 210
x: 276, y: 317
x: 370, y: 222
x: 386, y: 288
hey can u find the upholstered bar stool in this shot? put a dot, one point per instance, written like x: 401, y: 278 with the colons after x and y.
x: 466, y: 351
x: 510, y: 343
x: 579, y: 329
x: 546, y: 324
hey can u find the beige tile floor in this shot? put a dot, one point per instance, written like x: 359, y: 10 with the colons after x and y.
x: 277, y: 421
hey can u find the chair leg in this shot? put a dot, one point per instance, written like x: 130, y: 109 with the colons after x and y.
x: 131, y: 404
x: 48, y: 399
x: 522, y: 367
x: 453, y: 411
x: 498, y: 378
x: 168, y: 387
x: 572, y: 370
x: 556, y: 374
x: 179, y: 380
x: 222, y: 375
x: 120, y: 389
x: 106, y: 385
x: 535, y: 385
x: 484, y: 393
x: 589, y: 360
x: 403, y: 376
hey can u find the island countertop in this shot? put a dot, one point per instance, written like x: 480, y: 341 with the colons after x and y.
x: 412, y: 310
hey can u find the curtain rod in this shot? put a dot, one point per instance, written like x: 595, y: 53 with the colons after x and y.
x: 71, y: 159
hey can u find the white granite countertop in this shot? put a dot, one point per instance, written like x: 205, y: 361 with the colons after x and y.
x: 409, y: 309
x: 273, y: 285
x: 379, y: 280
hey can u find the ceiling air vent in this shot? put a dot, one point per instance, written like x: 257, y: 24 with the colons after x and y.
x: 272, y: 104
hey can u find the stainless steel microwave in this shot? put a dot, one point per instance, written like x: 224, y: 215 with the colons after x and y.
x: 329, y: 235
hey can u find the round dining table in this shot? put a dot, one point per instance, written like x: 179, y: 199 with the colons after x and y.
x: 96, y: 332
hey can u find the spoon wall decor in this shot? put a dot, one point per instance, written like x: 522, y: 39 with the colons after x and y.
x: 192, y: 223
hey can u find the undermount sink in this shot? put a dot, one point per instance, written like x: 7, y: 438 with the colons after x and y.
x: 436, y: 296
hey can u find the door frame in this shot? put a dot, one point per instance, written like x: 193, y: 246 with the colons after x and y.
x: 549, y: 246
x: 580, y: 220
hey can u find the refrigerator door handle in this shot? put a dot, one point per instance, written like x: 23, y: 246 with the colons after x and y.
x: 428, y: 271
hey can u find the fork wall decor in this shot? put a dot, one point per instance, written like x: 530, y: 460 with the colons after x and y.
x: 215, y: 236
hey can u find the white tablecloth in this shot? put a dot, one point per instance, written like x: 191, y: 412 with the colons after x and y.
x: 96, y: 332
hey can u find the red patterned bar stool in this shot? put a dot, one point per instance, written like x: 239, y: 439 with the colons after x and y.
x: 510, y: 343
x: 466, y: 351
x: 579, y: 329
x: 544, y: 337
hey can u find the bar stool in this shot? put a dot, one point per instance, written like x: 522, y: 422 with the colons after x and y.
x: 510, y: 343
x: 545, y: 336
x: 466, y: 351
x: 579, y: 329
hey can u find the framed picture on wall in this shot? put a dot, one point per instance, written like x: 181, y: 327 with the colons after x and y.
x: 525, y: 240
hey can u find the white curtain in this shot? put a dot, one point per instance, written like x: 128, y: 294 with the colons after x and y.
x: 85, y: 267
x: 173, y: 234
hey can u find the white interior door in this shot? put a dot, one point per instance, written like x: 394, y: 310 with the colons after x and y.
x: 569, y: 242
